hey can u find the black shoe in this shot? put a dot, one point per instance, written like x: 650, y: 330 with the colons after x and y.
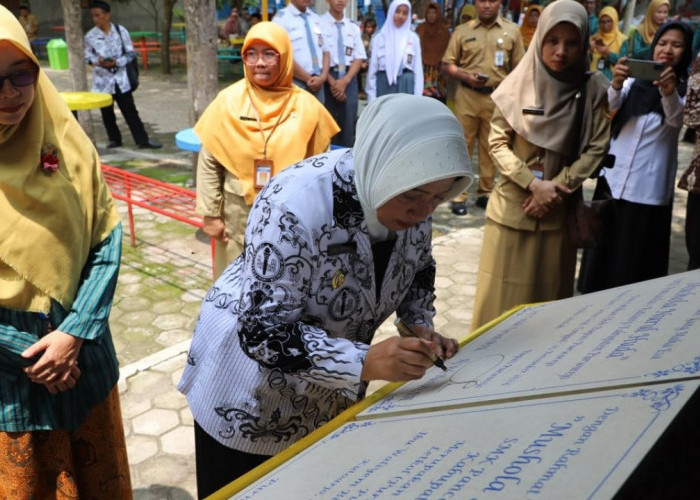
x: 114, y: 144
x: 482, y: 201
x: 150, y: 145
x: 459, y: 207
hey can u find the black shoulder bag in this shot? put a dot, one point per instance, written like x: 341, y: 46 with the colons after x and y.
x: 132, y: 67
x: 583, y: 218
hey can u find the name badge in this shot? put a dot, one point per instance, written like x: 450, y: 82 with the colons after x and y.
x: 348, y: 51
x: 537, y: 169
x: 320, y: 40
x: 263, y: 170
x: 601, y: 64
x: 498, y: 59
x: 409, y: 58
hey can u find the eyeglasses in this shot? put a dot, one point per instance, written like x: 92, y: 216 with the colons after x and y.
x: 268, y: 56
x: 21, y: 78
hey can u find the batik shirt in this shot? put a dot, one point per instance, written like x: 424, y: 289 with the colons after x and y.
x: 283, y: 334
x: 97, y: 45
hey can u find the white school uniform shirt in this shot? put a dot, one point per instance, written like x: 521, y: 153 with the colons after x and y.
x: 411, y: 61
x: 352, y: 39
x: 646, y: 151
x: 292, y: 21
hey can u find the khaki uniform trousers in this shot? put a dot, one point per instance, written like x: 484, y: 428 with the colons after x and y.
x: 474, y: 111
x: 236, y: 212
x: 521, y: 267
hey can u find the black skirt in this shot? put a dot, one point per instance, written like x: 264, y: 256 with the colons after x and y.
x: 634, y: 246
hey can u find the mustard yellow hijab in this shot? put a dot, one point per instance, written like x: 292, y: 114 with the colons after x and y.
x: 647, y: 28
x: 300, y: 125
x: 48, y: 221
x: 467, y: 10
x: 526, y: 31
x: 612, y: 40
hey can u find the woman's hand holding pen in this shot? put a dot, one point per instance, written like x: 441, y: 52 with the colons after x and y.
x: 445, y: 347
x: 397, y: 359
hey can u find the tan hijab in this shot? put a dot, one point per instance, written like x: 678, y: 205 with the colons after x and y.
x: 647, y: 28
x: 49, y: 222
x: 300, y: 125
x: 553, y: 93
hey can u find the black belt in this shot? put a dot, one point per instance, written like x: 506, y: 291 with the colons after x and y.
x: 480, y: 90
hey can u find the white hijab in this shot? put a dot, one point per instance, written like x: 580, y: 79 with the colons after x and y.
x: 396, y: 40
x: 395, y: 152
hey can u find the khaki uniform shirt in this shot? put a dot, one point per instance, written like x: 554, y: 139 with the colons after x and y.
x: 473, y: 47
x: 513, y: 156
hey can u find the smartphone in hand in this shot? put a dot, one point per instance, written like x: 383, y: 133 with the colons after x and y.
x: 644, y: 70
x: 482, y: 78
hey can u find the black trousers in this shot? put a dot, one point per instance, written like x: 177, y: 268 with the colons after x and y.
x: 131, y: 115
x: 634, y: 247
x: 692, y: 231
x: 218, y: 465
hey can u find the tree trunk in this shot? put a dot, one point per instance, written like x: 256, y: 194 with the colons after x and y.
x: 628, y: 14
x: 202, y: 66
x: 165, y: 38
x: 72, y: 19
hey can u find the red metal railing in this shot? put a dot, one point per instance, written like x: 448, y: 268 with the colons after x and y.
x: 156, y: 196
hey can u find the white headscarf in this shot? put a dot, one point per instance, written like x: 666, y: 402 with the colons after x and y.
x: 396, y: 39
x: 395, y: 152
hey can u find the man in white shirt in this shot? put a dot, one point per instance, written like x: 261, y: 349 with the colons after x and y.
x: 311, y: 57
x: 347, y: 52
x: 108, y: 50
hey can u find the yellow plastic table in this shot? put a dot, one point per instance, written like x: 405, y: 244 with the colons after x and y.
x: 86, y: 100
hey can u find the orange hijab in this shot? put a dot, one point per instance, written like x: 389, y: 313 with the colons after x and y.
x: 298, y: 123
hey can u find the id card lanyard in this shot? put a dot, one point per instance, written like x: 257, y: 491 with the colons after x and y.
x: 264, y: 168
x: 537, y: 166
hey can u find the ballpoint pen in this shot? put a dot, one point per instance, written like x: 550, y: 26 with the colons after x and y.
x: 406, y: 331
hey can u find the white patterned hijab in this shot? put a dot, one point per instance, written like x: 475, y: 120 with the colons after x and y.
x: 395, y: 152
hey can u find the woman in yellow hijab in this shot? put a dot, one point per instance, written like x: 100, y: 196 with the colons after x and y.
x: 642, y: 35
x: 61, y: 434
x: 527, y: 29
x: 251, y: 131
x: 608, y: 45
x: 467, y: 13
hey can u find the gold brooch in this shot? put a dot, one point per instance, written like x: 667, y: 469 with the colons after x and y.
x: 338, y: 279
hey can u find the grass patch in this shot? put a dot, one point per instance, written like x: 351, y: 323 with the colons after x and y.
x: 165, y: 171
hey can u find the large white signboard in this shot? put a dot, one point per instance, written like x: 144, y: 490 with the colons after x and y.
x: 632, y: 335
x: 575, y: 446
